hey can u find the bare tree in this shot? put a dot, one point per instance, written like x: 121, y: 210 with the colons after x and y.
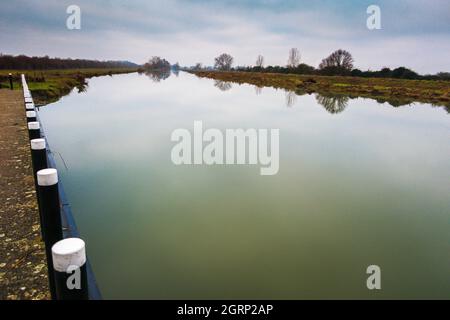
x: 340, y: 59
x: 294, y: 58
x: 260, y: 61
x: 223, y: 62
x: 198, y: 66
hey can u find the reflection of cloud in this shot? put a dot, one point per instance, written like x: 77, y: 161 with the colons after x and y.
x: 222, y: 85
x: 291, y: 98
x: 333, y: 103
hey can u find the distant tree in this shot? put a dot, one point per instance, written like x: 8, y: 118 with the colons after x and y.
x: 303, y: 68
x: 198, y: 66
x: 260, y: 61
x: 176, y: 66
x: 294, y: 58
x: 340, y: 61
x: 223, y: 62
x: 404, y: 73
x: 22, y: 62
x: 157, y: 63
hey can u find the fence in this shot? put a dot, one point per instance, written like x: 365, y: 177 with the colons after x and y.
x: 70, y: 274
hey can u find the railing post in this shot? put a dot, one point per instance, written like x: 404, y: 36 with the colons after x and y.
x: 10, y: 81
x: 51, y: 217
x: 29, y: 106
x: 69, y: 264
x: 34, y: 130
x: 39, y: 161
x: 31, y: 116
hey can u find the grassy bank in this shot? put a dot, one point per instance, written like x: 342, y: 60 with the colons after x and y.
x: 394, y: 91
x: 49, y: 85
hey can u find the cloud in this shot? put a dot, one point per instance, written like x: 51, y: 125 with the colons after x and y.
x: 196, y: 31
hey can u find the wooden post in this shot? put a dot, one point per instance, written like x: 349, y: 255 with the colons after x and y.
x: 51, y: 217
x: 69, y: 264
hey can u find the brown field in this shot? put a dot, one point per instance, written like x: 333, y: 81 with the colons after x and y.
x: 397, y: 92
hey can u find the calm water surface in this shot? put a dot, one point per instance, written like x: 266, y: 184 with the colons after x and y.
x: 360, y: 183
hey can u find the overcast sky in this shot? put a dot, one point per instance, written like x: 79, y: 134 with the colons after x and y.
x: 415, y: 33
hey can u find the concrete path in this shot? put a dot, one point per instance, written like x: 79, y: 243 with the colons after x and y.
x: 23, y: 271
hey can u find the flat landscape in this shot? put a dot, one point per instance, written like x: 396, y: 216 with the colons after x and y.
x: 394, y: 91
x: 49, y: 85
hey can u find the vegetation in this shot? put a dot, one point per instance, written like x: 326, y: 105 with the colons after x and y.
x: 22, y: 62
x: 395, y: 91
x: 48, y: 86
x: 223, y: 62
x: 157, y: 64
x: 339, y: 62
x: 294, y: 58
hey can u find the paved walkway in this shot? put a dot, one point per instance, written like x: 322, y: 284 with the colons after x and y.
x: 23, y: 271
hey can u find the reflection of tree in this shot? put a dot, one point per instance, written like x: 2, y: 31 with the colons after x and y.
x: 158, y: 75
x: 291, y: 98
x: 82, y: 87
x: 176, y: 72
x: 333, y: 103
x: 222, y: 85
x: 258, y: 90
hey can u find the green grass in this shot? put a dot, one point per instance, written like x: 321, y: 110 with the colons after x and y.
x: 49, y: 85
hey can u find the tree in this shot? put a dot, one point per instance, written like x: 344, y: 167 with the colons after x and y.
x: 260, y: 61
x: 223, y: 62
x: 157, y: 63
x: 340, y: 60
x: 294, y: 58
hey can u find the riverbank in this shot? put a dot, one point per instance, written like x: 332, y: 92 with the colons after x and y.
x: 48, y: 86
x: 23, y: 271
x: 396, y: 92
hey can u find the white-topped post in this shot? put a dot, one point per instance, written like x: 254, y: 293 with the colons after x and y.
x: 69, y: 264
x: 31, y: 116
x: 34, y: 130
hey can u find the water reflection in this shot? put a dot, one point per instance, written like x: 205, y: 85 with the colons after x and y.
x: 333, y: 103
x: 222, y: 85
x: 291, y: 98
x: 258, y: 90
x: 157, y: 75
x: 366, y: 154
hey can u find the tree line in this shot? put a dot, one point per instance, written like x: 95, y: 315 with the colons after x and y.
x: 23, y: 62
x: 338, y: 63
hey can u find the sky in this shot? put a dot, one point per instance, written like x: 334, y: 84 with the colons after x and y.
x: 414, y: 33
